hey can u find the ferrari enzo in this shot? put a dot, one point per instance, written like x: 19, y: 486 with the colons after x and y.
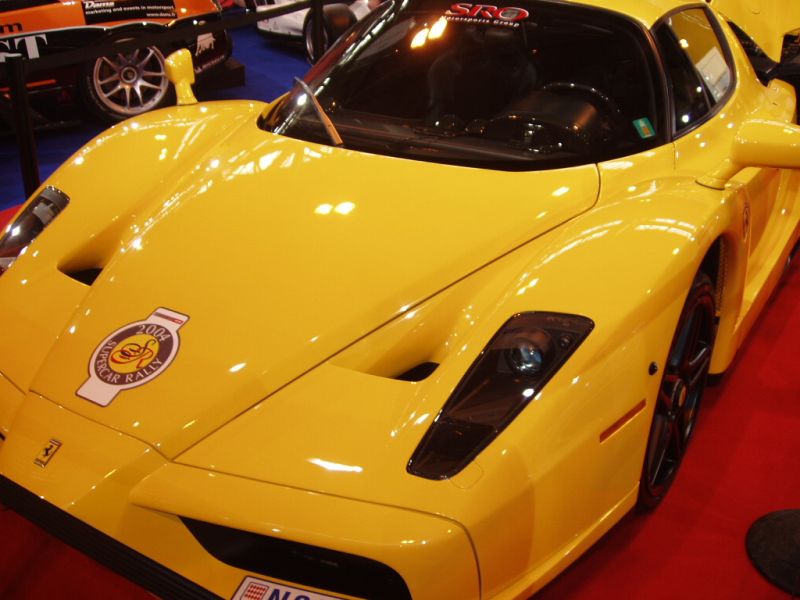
x: 426, y: 326
x: 112, y: 87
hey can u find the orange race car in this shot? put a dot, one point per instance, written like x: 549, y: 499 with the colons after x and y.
x: 112, y: 87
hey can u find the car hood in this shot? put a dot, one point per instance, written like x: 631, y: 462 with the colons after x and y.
x: 267, y: 254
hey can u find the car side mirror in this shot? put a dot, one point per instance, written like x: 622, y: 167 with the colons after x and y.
x: 759, y: 143
x: 180, y: 71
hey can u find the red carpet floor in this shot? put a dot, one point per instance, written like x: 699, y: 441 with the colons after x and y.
x: 744, y: 462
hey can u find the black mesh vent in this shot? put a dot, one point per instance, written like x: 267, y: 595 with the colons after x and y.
x: 316, y: 567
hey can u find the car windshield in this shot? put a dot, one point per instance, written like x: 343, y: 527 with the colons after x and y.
x: 530, y: 86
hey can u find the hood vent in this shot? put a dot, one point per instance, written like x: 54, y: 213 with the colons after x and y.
x: 419, y: 372
x: 85, y: 276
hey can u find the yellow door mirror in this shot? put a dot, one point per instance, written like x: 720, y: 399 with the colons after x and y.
x: 180, y: 71
x: 767, y: 144
x: 759, y: 143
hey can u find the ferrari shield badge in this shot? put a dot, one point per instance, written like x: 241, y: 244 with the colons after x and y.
x: 132, y: 356
x: 47, y: 453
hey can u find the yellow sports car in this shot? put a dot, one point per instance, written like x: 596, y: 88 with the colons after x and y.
x: 426, y: 326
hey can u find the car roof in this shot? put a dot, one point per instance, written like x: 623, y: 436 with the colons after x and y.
x: 646, y: 12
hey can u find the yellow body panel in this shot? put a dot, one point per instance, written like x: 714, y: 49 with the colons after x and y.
x: 432, y: 551
x: 310, y: 278
x: 282, y: 414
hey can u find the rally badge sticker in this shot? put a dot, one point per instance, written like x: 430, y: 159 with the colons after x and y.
x: 132, y: 356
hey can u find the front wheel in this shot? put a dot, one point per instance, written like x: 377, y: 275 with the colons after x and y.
x: 680, y: 391
x: 125, y: 84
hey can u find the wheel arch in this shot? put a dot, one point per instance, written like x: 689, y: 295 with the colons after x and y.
x: 724, y: 263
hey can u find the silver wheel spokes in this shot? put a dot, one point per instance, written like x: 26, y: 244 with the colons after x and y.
x: 131, y: 83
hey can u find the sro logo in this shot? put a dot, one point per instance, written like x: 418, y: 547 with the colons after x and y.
x: 487, y: 11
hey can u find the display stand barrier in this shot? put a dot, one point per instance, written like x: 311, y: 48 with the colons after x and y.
x: 23, y: 125
x: 316, y: 29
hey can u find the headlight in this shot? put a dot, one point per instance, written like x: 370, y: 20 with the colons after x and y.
x: 515, y: 366
x: 30, y: 223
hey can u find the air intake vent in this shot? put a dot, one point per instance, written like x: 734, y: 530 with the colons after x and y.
x: 321, y: 568
x: 418, y: 373
x: 85, y: 276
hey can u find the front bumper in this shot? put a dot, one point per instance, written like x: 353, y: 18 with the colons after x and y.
x: 184, y: 532
x: 104, y: 549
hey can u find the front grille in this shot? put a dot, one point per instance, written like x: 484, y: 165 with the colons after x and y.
x: 321, y: 568
x: 102, y: 548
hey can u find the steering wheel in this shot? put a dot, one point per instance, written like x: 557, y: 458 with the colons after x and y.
x: 588, y: 92
x: 529, y: 132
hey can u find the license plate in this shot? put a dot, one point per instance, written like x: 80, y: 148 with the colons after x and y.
x: 253, y: 588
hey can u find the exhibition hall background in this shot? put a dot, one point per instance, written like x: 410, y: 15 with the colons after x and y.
x: 742, y: 464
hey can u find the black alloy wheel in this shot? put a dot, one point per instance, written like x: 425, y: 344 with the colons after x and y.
x: 680, y: 391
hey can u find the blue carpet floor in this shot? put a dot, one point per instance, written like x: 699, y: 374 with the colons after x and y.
x: 269, y: 70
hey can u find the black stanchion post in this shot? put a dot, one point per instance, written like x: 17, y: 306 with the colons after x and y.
x: 316, y: 28
x: 23, y: 128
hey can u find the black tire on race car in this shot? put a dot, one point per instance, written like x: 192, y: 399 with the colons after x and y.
x: 336, y: 18
x: 125, y: 85
x: 681, y: 388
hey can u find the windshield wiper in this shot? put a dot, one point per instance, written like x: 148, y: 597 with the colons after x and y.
x: 330, y: 129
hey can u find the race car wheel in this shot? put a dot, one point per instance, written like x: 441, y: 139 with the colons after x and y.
x: 126, y: 84
x: 336, y: 19
x: 681, y: 388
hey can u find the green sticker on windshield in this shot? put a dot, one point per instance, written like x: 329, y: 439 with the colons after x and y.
x: 644, y: 128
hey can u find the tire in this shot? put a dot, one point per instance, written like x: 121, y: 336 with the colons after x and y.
x: 680, y: 391
x: 125, y: 85
x: 336, y: 18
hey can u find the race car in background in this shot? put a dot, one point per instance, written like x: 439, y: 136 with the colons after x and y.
x: 113, y: 87
x: 336, y: 18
